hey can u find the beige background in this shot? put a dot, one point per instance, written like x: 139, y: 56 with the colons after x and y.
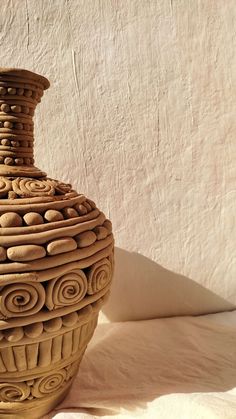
x: 141, y: 117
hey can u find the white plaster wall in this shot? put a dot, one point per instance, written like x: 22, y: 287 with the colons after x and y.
x: 141, y: 116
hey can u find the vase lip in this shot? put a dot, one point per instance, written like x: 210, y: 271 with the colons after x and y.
x: 26, y: 74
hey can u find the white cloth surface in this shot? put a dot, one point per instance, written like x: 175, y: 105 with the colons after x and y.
x: 171, y: 368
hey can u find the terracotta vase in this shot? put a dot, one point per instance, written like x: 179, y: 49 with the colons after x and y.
x: 56, y: 263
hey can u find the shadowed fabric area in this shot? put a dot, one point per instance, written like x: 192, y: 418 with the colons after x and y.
x: 155, y: 353
x: 180, y: 367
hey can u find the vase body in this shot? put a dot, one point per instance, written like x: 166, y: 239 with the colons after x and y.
x: 56, y: 263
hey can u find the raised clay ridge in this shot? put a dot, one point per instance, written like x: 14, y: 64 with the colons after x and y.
x: 56, y: 263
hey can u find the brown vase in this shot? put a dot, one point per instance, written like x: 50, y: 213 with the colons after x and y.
x: 56, y: 263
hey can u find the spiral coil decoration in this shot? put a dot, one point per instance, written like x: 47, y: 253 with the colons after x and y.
x: 50, y: 242
x: 14, y: 392
x: 67, y: 289
x: 99, y: 275
x: 27, y: 187
x: 5, y: 186
x: 49, y: 384
x: 61, y: 188
x: 21, y: 299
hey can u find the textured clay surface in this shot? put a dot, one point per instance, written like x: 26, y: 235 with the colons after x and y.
x: 56, y: 263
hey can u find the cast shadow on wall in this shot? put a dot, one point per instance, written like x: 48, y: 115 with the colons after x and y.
x: 142, y: 289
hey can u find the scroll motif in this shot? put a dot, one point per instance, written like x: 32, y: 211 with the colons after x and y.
x: 14, y: 392
x: 5, y: 186
x: 61, y: 188
x: 49, y: 384
x: 99, y: 275
x: 27, y: 187
x: 38, y: 388
x: 66, y: 290
x: 21, y: 299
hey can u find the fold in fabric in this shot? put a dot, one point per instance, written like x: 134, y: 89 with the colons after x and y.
x: 175, y: 368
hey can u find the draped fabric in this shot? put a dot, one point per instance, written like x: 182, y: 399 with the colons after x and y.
x: 175, y: 368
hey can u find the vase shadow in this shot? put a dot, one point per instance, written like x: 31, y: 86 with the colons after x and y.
x: 142, y: 289
x: 129, y: 365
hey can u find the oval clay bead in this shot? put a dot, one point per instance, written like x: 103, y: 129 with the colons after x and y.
x: 5, y: 142
x: 87, y: 205
x: 8, y: 124
x: 19, y: 91
x: 101, y: 232
x: 53, y: 215
x: 82, y: 210
x: 53, y: 325
x: 63, y: 245
x: 26, y: 252
x: 11, y: 90
x: 16, y: 108
x: 5, y: 107
x: 85, y: 239
x: 33, y: 218
x: 33, y: 330
x: 19, y: 161
x: 9, y: 161
x: 15, y: 143
x: 11, y: 219
x: 108, y: 225
x: 14, y: 335
x: 70, y: 213
x: 70, y: 319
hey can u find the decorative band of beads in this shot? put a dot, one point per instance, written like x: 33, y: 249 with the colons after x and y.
x: 8, y: 92
x: 34, y: 356
x: 15, y: 143
x: 46, y: 329
x: 17, y: 161
x: 16, y: 114
x: 16, y: 109
x: 16, y: 125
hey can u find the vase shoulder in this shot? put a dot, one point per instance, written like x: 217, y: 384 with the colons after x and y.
x: 56, y: 262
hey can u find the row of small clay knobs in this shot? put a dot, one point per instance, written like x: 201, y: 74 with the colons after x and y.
x: 12, y: 91
x: 30, y: 252
x: 36, y: 329
x: 17, y: 109
x: 6, y: 142
x: 13, y: 219
x: 17, y: 161
x: 16, y: 125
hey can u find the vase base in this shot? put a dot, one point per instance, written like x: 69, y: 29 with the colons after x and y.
x: 35, y: 408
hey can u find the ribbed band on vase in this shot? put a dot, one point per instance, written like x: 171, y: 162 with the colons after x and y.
x: 20, y: 92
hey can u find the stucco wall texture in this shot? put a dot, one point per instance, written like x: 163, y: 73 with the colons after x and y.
x: 141, y: 117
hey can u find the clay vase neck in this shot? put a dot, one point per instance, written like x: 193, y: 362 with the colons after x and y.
x: 20, y: 92
x: 56, y: 263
